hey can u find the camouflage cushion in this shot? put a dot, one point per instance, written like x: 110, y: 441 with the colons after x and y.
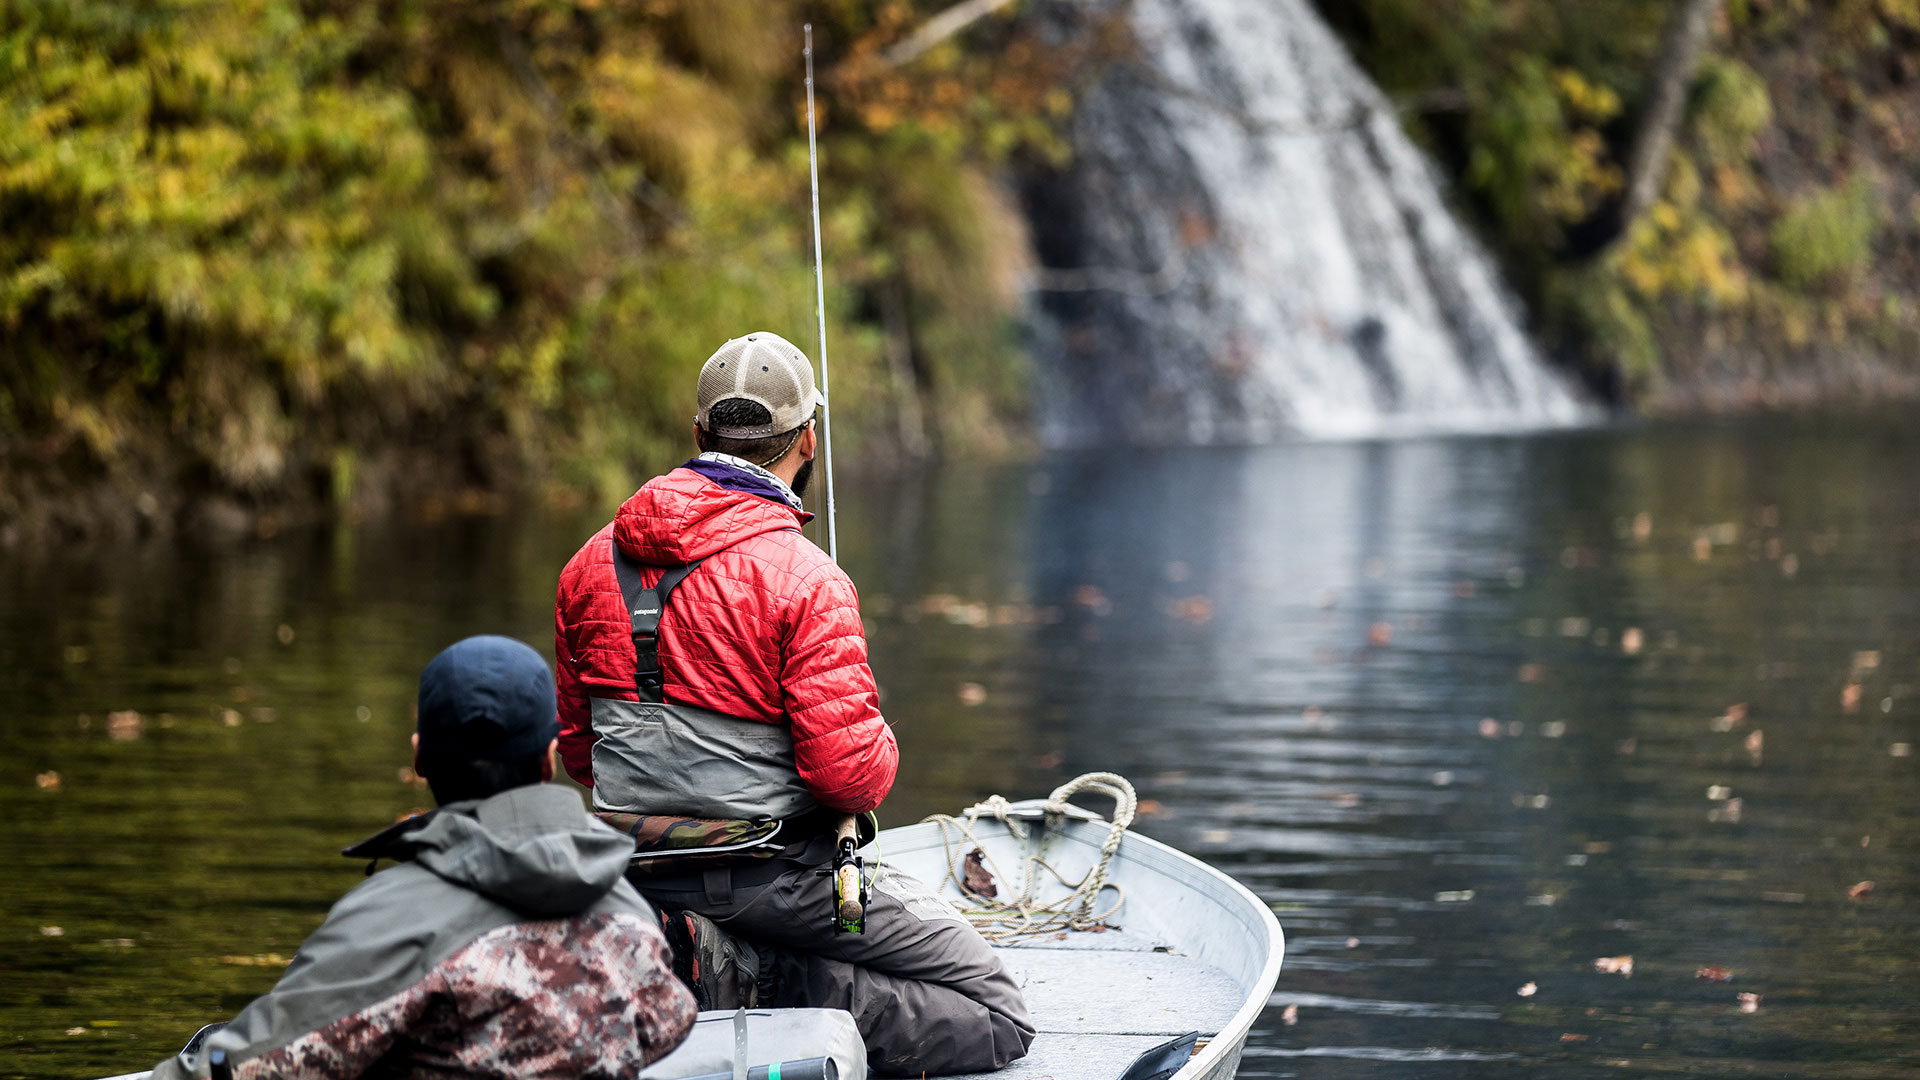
x: 662, y: 838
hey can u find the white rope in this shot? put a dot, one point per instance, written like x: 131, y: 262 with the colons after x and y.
x: 1001, y: 919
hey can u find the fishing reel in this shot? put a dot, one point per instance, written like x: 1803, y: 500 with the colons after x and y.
x: 849, y: 884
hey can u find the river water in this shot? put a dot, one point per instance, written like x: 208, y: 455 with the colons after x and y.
x: 1471, y: 713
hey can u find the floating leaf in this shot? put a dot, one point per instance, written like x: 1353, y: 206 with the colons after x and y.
x: 256, y: 960
x: 125, y: 725
x: 1194, y: 609
x: 1527, y: 990
x: 975, y: 876
x: 47, y: 781
x: 1860, y: 890
x: 1714, y: 974
x: 972, y: 693
x: 1749, y: 1003
x: 1091, y: 598
x: 1290, y: 1015
x: 1614, y: 965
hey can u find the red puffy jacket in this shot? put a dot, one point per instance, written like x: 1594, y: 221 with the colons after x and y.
x: 768, y: 628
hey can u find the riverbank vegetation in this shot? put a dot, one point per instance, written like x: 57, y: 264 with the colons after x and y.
x: 266, y: 257
x: 1776, y: 262
x: 274, y: 254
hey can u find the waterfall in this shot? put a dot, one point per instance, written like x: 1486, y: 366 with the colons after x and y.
x: 1246, y: 245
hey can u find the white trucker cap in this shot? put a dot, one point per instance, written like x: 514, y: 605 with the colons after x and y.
x: 762, y: 367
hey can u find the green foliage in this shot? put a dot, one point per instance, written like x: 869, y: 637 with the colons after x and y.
x: 1827, y: 238
x: 267, y: 242
x: 1731, y: 107
x: 1756, y: 245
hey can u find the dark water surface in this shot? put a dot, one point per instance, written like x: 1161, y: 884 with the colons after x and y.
x: 1471, y: 713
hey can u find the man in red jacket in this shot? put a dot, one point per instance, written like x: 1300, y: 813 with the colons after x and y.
x: 714, y: 693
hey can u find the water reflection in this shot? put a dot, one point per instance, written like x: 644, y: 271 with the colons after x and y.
x: 1471, y: 713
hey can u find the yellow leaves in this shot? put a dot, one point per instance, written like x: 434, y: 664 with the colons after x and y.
x: 1677, y: 250
x: 1586, y: 100
x: 1901, y: 13
x: 678, y: 124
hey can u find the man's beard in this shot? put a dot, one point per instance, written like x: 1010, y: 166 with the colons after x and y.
x: 800, y: 478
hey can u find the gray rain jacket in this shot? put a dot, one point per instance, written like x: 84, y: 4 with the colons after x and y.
x: 505, y: 944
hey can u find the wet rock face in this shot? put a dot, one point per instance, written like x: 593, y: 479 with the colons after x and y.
x: 1246, y: 246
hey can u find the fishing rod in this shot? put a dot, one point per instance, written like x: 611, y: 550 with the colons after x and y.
x: 849, y: 885
x: 820, y: 305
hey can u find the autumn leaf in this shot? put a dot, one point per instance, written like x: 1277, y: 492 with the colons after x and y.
x: 975, y: 876
x: 1614, y: 965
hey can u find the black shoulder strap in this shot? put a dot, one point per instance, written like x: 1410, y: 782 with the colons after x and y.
x: 645, y: 606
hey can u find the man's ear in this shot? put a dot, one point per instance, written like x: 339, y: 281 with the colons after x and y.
x: 699, y: 445
x: 807, y: 443
x: 547, y: 769
x: 416, y: 754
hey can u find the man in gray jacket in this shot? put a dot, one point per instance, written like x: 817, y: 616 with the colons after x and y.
x: 506, y: 943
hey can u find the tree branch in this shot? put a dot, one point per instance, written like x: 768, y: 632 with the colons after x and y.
x: 940, y: 28
x: 1680, y: 48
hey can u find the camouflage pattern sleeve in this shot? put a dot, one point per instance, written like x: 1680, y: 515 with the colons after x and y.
x: 592, y: 996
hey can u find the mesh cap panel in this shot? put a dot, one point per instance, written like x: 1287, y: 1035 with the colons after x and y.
x: 761, y: 367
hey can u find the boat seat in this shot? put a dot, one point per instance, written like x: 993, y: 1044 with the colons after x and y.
x: 1088, y: 1025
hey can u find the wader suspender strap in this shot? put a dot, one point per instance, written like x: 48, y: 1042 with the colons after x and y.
x: 646, y: 606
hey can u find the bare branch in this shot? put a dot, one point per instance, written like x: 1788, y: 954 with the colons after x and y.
x: 940, y: 28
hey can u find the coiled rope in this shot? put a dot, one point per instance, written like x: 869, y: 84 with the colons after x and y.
x: 1001, y: 919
